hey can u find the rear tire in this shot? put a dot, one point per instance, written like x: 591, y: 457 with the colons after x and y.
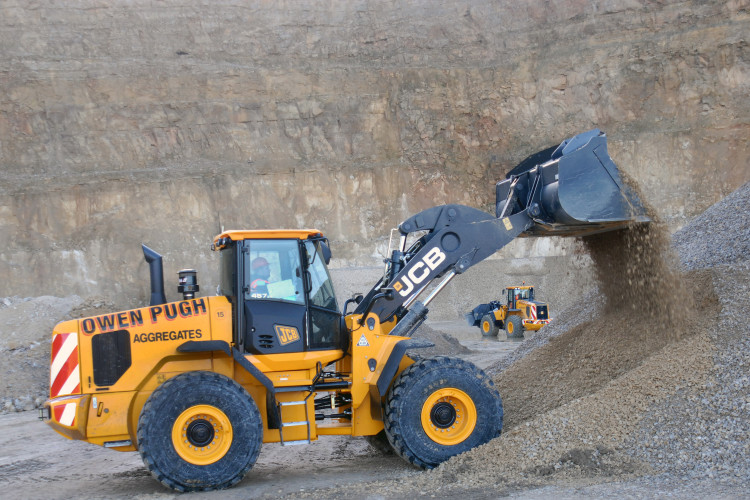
x: 440, y: 407
x: 514, y: 327
x: 488, y: 326
x: 199, y: 431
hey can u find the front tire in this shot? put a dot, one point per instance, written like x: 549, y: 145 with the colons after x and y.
x: 514, y: 327
x: 440, y: 407
x: 199, y: 431
x: 488, y: 326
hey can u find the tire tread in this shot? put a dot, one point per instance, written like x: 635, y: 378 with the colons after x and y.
x: 407, y: 378
x: 173, y: 388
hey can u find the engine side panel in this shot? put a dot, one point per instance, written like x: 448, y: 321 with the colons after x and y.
x: 122, y: 357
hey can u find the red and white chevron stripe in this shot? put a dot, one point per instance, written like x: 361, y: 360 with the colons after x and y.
x: 536, y: 321
x: 64, y: 376
x: 533, y: 311
x: 66, y: 414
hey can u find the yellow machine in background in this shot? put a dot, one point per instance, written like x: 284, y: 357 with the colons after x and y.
x: 520, y: 312
x: 197, y: 385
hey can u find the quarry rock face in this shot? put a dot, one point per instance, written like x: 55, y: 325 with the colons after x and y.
x: 164, y: 123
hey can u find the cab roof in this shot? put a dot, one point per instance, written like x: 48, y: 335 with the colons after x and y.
x: 221, y: 240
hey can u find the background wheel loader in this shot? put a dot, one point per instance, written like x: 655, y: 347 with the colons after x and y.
x: 197, y: 385
x: 521, y: 312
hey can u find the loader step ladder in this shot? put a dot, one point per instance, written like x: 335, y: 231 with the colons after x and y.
x: 294, y: 424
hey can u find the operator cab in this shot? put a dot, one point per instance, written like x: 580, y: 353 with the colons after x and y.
x: 281, y: 292
x: 519, y: 293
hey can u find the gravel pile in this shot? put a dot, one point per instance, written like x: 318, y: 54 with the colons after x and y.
x: 704, y: 432
x: 719, y: 236
x: 589, y: 308
x: 683, y: 409
x: 445, y: 345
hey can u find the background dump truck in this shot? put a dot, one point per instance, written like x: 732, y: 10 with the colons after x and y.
x: 197, y: 385
x: 521, y: 312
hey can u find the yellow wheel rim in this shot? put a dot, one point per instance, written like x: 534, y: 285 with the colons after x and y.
x: 486, y: 326
x: 202, y: 434
x: 449, y: 416
x: 510, y: 327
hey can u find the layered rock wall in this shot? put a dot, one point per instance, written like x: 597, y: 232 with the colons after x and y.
x: 164, y: 122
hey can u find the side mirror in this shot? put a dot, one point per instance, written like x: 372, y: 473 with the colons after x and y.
x: 357, y: 298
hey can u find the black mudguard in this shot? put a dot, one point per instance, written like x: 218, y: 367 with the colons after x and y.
x: 389, y: 371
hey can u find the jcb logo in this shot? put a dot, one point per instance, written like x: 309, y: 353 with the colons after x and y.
x: 419, y: 272
x: 286, y: 334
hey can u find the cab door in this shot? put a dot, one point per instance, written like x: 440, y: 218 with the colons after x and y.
x: 512, y: 292
x: 326, y: 330
x: 273, y: 296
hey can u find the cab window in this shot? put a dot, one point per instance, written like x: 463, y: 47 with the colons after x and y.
x: 321, y: 287
x: 273, y: 271
x: 325, y: 320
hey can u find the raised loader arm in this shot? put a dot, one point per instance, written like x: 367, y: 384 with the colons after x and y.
x: 457, y: 238
x: 570, y: 190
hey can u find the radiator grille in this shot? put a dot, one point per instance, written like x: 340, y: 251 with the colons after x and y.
x: 111, y: 353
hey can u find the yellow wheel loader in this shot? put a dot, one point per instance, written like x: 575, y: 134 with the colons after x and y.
x: 521, y: 312
x: 197, y: 385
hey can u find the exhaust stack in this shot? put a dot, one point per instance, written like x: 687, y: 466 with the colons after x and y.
x: 157, y: 276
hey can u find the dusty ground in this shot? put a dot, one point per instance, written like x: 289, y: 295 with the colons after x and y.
x: 37, y: 463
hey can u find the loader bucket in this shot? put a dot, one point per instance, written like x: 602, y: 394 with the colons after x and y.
x: 573, y: 189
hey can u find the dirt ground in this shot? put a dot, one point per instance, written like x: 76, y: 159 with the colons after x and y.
x: 37, y: 463
x: 42, y: 465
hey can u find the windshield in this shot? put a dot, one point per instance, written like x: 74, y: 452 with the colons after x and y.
x: 520, y: 294
x: 273, y: 271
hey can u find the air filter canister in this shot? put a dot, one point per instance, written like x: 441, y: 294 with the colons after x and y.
x: 187, y: 283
